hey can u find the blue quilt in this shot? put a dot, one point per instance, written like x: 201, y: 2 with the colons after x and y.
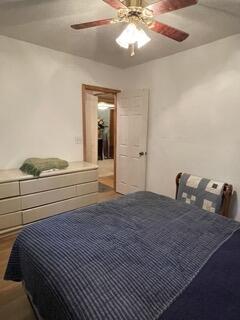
x: 129, y: 258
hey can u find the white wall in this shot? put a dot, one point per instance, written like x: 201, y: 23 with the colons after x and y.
x: 40, y: 100
x: 194, y: 115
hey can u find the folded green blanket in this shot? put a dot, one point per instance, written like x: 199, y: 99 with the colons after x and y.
x: 35, y: 166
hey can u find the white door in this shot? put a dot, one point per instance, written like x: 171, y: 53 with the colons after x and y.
x: 132, y: 127
x: 91, y: 139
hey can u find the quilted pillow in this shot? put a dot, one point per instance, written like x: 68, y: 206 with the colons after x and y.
x: 204, y: 193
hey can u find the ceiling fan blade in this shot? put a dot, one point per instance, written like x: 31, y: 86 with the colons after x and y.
x: 91, y: 24
x: 116, y: 4
x: 168, y: 31
x: 164, y: 6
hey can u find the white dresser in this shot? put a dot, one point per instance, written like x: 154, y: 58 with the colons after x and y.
x: 25, y: 199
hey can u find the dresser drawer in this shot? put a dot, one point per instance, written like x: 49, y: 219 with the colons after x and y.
x: 35, y: 214
x: 46, y: 197
x: 61, y: 181
x: 10, y: 205
x: 10, y: 220
x: 86, y: 188
x: 10, y: 189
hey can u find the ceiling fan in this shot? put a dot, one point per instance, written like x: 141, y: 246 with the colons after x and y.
x: 137, y: 13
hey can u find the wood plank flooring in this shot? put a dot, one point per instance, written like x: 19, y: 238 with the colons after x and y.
x: 14, y: 304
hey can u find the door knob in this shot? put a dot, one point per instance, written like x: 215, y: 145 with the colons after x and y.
x: 141, y: 154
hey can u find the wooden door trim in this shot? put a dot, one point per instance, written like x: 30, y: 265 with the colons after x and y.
x: 100, y: 89
x: 86, y: 88
x: 106, y: 99
x: 115, y: 142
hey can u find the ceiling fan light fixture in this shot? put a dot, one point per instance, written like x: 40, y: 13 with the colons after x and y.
x: 128, y: 37
x: 131, y: 35
x: 139, y: 13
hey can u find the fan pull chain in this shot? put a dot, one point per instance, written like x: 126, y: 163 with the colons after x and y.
x: 132, y: 49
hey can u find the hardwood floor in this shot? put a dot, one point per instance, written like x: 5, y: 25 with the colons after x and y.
x: 14, y: 304
x: 109, y: 193
x: 106, y: 167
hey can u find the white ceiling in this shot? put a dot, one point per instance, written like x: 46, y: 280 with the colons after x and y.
x: 47, y: 23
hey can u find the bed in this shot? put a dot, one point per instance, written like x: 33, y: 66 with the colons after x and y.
x: 142, y: 256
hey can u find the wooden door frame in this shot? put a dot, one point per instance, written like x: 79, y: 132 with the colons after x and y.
x: 114, y: 92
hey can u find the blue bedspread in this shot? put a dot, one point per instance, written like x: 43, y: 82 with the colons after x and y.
x: 126, y: 259
x: 215, y: 293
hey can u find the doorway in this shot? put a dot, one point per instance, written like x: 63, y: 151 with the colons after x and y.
x: 100, y: 133
x: 106, y: 139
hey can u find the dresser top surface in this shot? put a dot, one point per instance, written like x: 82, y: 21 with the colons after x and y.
x: 16, y: 174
